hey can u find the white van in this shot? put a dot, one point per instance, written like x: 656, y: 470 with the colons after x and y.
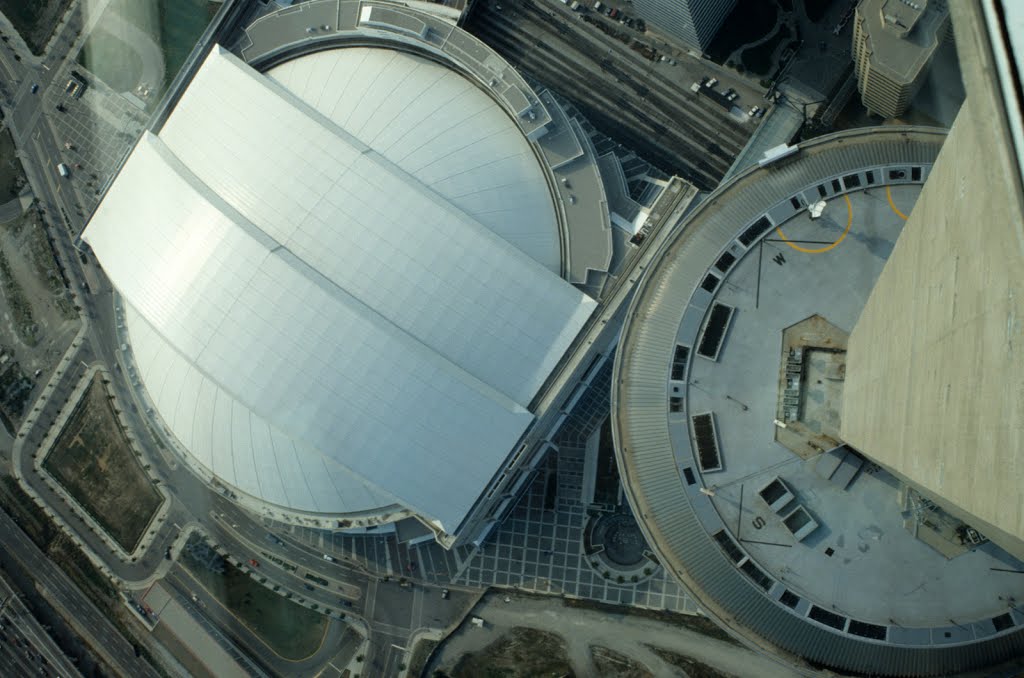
x: 64, y: 171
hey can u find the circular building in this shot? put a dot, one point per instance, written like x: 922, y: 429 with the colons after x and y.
x: 726, y: 408
x: 344, y: 280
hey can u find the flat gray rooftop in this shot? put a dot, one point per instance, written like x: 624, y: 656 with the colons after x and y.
x: 856, y: 591
x: 878, y: 571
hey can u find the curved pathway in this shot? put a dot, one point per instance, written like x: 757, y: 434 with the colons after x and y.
x: 149, y: 52
x: 10, y: 210
x: 583, y: 628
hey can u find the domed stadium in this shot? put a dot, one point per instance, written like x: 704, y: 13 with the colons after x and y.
x: 342, y: 282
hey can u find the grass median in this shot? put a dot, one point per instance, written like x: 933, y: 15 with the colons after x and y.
x: 289, y: 629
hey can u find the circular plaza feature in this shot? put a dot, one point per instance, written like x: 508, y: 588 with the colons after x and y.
x: 727, y: 401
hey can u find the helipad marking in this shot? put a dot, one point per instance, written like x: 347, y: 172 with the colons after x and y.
x: 826, y: 248
x: 888, y: 194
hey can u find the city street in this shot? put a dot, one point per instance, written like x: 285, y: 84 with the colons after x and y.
x: 387, y: 591
x: 32, y: 127
x: 90, y: 622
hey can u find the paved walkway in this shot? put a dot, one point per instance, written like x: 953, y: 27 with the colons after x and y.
x: 10, y: 210
x: 148, y: 51
x: 583, y: 628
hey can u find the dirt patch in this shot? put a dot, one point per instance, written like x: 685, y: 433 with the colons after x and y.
x: 420, y: 655
x: 38, y: 312
x: 692, y: 667
x: 15, y: 389
x: 17, y: 303
x: 289, y: 629
x: 94, y: 462
x: 519, y: 653
x: 37, y: 298
x: 38, y: 250
x: 35, y: 20
x: 701, y: 625
x: 612, y: 664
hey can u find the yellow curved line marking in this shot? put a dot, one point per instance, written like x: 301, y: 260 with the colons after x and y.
x: 888, y: 194
x: 826, y: 248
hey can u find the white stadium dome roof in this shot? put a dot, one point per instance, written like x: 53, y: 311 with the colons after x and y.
x: 337, y: 306
x: 439, y: 127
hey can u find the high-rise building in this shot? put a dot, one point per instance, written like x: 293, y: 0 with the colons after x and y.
x: 695, y: 22
x: 817, y: 400
x: 893, y: 44
x: 933, y: 385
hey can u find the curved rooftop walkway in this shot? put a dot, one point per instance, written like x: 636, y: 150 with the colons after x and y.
x: 777, y: 591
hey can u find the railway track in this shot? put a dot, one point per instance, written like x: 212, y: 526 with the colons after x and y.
x: 616, y: 89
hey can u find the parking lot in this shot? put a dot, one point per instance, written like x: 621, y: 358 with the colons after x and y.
x: 96, y: 130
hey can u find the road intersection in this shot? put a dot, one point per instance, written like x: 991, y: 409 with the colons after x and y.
x: 29, y: 83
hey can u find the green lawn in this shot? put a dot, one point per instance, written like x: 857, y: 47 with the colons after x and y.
x: 181, y: 24
x: 175, y: 25
x: 11, y: 173
x: 34, y: 19
x: 758, y: 60
x: 749, y: 21
x: 111, y: 60
x: 291, y: 630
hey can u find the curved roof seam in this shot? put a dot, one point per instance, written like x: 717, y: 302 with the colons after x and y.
x: 469, y: 142
x: 478, y: 168
x: 400, y: 110
x: 378, y: 158
x: 299, y: 265
x: 341, y: 91
x: 466, y: 90
x: 388, y: 127
x: 395, y: 86
x: 249, y: 413
x: 398, y: 140
x: 365, y: 318
x: 195, y: 410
